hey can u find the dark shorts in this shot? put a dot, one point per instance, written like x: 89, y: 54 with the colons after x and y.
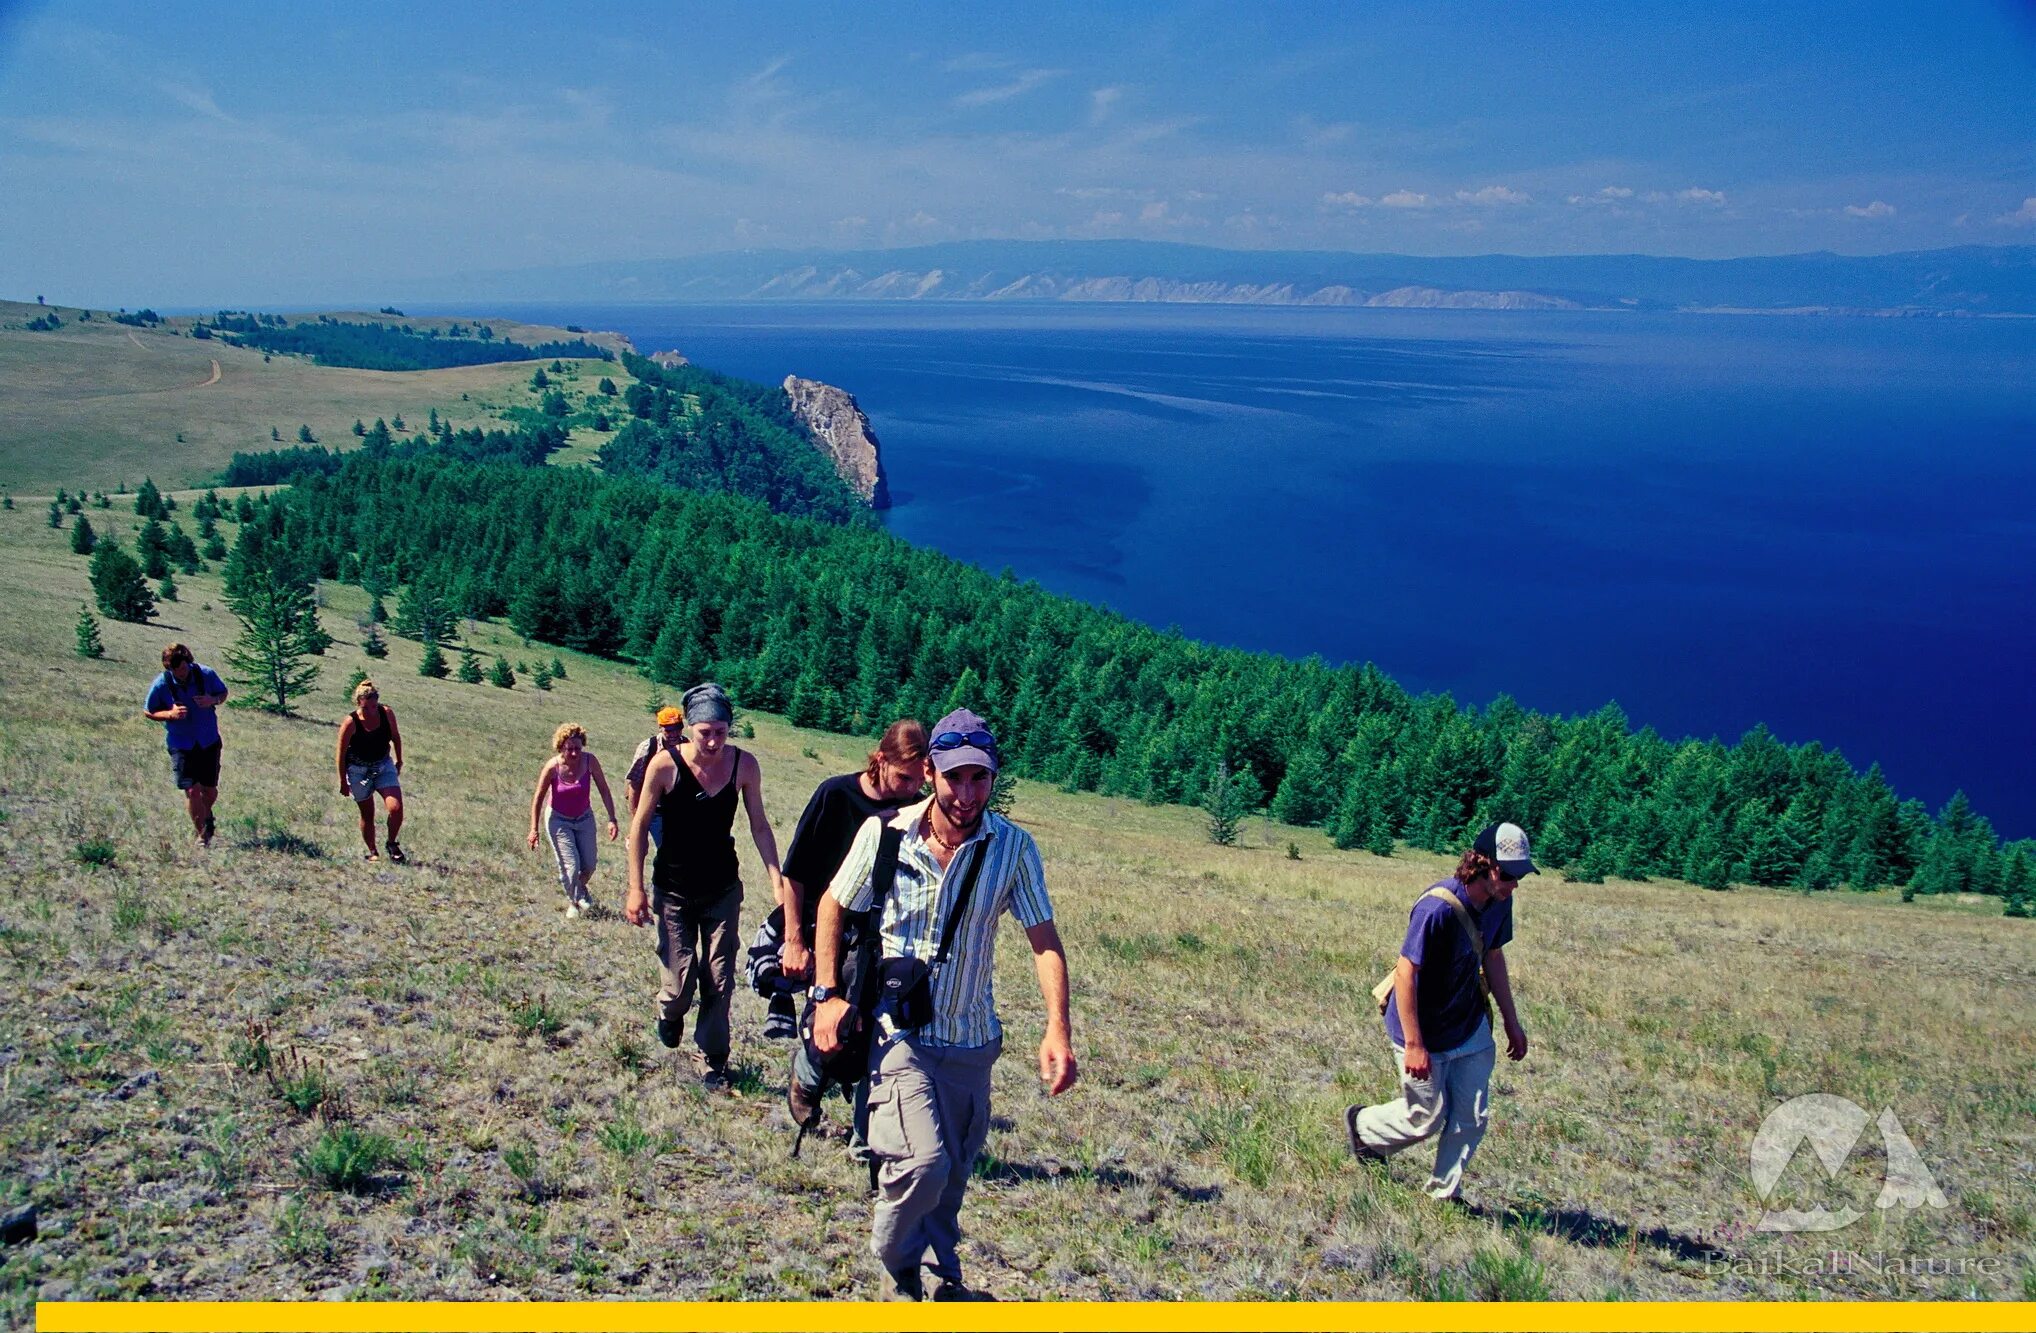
x: 196, y: 768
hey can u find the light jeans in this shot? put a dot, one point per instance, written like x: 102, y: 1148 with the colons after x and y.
x: 574, y: 843
x: 1453, y: 1101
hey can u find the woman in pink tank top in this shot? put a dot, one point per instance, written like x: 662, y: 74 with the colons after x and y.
x: 567, y: 781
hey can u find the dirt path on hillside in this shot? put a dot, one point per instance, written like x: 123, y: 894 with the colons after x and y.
x: 136, y: 341
x: 215, y: 375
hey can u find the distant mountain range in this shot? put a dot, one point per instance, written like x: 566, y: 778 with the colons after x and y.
x: 1972, y: 280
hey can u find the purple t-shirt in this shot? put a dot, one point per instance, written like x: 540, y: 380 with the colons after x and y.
x: 1446, y: 988
x: 201, y: 727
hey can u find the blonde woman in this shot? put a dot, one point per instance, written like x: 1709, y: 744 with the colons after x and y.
x: 568, y: 780
x: 371, y: 764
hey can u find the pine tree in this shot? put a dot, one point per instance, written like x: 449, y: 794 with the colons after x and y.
x: 119, y: 586
x: 268, y: 656
x: 558, y: 669
x: 89, y: 642
x: 1228, y: 798
x: 83, y: 538
x: 541, y: 677
x: 433, y: 662
x: 166, y: 590
x: 500, y: 675
x: 56, y: 514
x: 470, y: 666
x: 372, y: 643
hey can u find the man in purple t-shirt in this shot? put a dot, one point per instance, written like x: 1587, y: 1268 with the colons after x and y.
x: 1438, y: 1018
x: 186, y: 699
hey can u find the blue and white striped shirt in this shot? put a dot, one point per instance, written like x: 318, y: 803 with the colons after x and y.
x: 922, y: 897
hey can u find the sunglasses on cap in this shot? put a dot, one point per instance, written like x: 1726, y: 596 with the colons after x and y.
x: 955, y: 740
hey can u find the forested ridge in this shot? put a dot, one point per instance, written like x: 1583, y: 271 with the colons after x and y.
x: 710, y: 432
x: 844, y: 627
x: 332, y: 342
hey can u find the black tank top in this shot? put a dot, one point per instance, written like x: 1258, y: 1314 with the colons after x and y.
x: 696, y: 851
x: 364, y: 746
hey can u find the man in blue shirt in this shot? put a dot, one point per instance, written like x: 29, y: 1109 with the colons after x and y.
x: 186, y: 699
x: 1438, y: 1014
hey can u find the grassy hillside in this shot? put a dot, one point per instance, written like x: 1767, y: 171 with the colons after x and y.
x: 98, y: 404
x: 543, y: 1145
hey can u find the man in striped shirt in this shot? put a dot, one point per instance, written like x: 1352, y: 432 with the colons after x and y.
x: 929, y: 1099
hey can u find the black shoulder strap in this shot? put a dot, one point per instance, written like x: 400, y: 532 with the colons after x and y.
x: 961, y: 901
x: 885, y: 872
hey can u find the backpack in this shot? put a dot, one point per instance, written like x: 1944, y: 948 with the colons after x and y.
x: 1383, y: 992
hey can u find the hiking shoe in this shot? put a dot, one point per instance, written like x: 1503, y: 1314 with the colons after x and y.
x: 716, y: 1079
x: 804, y: 1106
x: 396, y: 854
x: 955, y: 1289
x: 572, y: 910
x: 905, y: 1285
x: 669, y: 1030
x: 211, y: 827
x: 1359, y: 1149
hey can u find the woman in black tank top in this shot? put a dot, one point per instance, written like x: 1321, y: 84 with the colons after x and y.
x: 699, y: 891
x: 371, y: 764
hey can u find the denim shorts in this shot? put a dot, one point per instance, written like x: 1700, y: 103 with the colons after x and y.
x: 364, y: 780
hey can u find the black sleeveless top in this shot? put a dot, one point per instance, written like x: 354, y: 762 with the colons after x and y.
x: 696, y: 851
x: 364, y: 746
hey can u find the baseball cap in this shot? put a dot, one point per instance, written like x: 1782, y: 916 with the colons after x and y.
x: 962, y: 738
x: 1506, y: 844
x: 669, y: 717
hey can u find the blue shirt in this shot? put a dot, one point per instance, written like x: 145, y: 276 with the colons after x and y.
x: 200, y: 726
x: 1446, y: 995
x: 922, y: 898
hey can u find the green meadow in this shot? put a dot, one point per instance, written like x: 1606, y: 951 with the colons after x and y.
x: 269, y: 1070
x: 98, y: 404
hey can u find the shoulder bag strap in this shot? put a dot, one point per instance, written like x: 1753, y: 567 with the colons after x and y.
x: 1470, y: 928
x: 961, y: 901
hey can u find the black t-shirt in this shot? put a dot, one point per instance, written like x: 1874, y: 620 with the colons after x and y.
x: 836, y: 812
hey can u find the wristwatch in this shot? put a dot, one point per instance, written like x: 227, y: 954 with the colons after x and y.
x: 822, y: 994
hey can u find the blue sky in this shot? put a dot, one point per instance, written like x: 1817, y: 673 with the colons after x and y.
x: 198, y: 153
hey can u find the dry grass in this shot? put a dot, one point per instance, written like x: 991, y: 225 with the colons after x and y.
x: 99, y: 404
x: 1220, y: 1010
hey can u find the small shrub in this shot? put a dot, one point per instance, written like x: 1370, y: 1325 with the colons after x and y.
x: 130, y: 912
x: 249, y: 1051
x: 528, y: 1169
x: 625, y: 1135
x: 629, y: 1054
x: 302, y: 1239
x: 299, y: 1083
x: 537, y: 1018
x: 224, y: 1153
x: 1507, y: 1275
x: 261, y: 832
x: 94, y: 852
x: 1293, y: 851
x: 346, y: 1158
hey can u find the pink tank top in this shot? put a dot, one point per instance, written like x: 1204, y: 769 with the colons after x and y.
x: 572, y: 798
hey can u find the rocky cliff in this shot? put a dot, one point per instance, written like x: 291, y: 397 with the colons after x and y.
x: 839, y: 427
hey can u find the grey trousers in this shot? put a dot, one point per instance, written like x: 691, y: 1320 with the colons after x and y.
x: 696, y: 944
x: 929, y: 1112
x: 573, y: 843
x: 1453, y: 1101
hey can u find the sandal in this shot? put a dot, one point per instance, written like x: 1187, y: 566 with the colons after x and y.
x: 396, y: 854
x: 371, y: 856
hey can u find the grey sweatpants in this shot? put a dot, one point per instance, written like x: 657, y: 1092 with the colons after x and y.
x: 573, y: 842
x: 1453, y: 1101
x: 929, y: 1112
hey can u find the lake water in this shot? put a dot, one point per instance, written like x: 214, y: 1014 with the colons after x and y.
x: 1825, y: 524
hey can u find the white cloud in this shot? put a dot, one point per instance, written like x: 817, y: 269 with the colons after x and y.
x: 1316, y: 134
x: 1615, y: 192
x: 194, y: 99
x: 1102, y: 101
x: 1026, y: 81
x: 1876, y: 209
x: 1153, y: 212
x: 1347, y: 199
x: 2025, y: 216
x: 1491, y: 195
x: 1405, y: 199
x: 1698, y: 195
